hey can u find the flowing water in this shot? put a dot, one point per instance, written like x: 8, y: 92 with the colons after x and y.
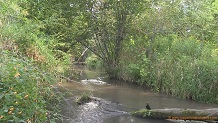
x: 115, y: 99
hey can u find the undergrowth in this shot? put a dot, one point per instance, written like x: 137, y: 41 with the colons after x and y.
x: 183, y: 67
x: 25, y: 89
x: 28, y: 68
x: 93, y: 62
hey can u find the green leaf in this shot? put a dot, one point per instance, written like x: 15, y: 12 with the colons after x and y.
x: 18, y: 96
x: 52, y: 121
x: 7, y: 96
x: 22, y: 121
x: 16, y: 119
x: 1, y: 96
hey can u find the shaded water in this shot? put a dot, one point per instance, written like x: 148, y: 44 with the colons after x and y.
x: 114, y: 99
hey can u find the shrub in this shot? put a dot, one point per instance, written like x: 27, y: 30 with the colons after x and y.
x: 84, y: 98
x: 93, y: 62
x: 25, y: 89
x: 27, y: 69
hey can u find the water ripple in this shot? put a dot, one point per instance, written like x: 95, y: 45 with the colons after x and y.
x: 97, y: 111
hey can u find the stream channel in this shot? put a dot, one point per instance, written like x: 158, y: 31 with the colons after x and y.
x: 115, y: 99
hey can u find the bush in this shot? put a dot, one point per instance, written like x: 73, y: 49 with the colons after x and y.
x: 133, y: 71
x: 25, y: 89
x: 28, y: 69
x: 84, y: 98
x: 93, y: 62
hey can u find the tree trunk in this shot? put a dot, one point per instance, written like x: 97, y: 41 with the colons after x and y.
x: 209, y: 115
x: 112, y: 70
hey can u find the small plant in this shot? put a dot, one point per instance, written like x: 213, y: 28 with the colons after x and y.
x: 84, y: 98
x: 143, y: 113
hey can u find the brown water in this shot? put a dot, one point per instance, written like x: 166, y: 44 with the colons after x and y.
x: 115, y: 99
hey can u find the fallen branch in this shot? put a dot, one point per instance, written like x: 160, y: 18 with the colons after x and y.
x: 82, y: 54
x: 179, y: 114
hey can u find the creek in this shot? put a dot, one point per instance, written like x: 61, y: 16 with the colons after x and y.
x: 115, y: 99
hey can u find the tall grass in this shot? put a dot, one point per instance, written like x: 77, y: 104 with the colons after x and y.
x: 186, y: 68
x: 183, y: 67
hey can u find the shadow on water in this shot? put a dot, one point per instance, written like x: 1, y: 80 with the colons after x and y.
x: 114, y: 99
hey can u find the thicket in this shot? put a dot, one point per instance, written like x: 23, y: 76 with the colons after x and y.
x: 174, y: 55
x: 28, y: 68
x: 183, y: 67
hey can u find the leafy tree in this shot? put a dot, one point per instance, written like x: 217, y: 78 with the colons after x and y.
x: 58, y: 19
x: 106, y: 28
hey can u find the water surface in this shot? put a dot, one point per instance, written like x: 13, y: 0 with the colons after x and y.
x: 115, y: 99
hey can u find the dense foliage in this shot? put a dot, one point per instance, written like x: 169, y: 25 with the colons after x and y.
x: 176, y: 46
x: 28, y: 67
x: 25, y: 89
